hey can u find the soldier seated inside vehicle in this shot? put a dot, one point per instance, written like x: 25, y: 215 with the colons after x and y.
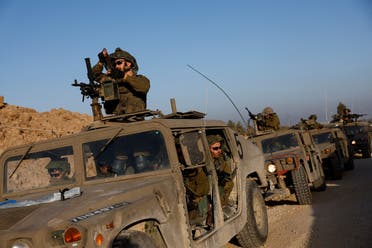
x: 121, y: 165
x: 59, y: 171
x: 197, y: 193
x: 104, y: 169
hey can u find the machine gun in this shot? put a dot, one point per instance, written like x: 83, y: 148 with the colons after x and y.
x: 91, y: 90
x: 259, y: 125
x: 252, y: 116
x: 356, y: 116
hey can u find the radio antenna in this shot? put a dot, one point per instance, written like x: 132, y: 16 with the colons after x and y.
x: 215, y: 84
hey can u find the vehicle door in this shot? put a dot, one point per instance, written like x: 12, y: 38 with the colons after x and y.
x: 315, y: 171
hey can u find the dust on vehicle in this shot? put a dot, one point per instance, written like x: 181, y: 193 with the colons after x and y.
x: 121, y: 183
x: 331, y: 152
x: 293, y: 165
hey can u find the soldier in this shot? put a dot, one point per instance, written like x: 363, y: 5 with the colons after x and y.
x: 58, y: 171
x: 223, y: 168
x: 310, y: 123
x: 267, y: 120
x: 197, y: 189
x: 346, y: 116
x: 122, y: 67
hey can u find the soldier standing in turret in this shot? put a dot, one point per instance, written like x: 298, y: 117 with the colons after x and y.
x: 122, y: 67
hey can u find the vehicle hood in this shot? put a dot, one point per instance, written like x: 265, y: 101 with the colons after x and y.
x: 93, y: 198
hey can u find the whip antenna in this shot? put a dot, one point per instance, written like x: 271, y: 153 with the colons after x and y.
x: 215, y: 84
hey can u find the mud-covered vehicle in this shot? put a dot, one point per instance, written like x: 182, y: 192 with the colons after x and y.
x: 120, y: 183
x: 293, y: 165
x: 330, y: 151
x: 359, y: 139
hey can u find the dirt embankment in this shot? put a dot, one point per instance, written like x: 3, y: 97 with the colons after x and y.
x: 20, y: 125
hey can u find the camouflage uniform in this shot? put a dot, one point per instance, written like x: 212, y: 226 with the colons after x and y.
x: 64, y: 166
x: 310, y: 123
x: 225, y: 183
x: 197, y: 189
x: 223, y: 170
x: 267, y: 120
x: 132, y: 90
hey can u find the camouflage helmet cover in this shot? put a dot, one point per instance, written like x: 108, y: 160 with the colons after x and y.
x: 213, y: 139
x: 267, y: 111
x: 59, y: 164
x: 121, y: 54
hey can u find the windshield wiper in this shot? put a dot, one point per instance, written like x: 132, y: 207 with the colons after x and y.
x: 104, y: 147
x: 21, y: 160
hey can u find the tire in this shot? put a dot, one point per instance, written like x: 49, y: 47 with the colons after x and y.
x: 323, y: 185
x: 350, y: 164
x: 367, y: 153
x: 301, y: 186
x: 336, y: 169
x: 133, y: 239
x: 255, y: 231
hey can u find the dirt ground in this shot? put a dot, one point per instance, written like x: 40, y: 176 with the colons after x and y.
x: 341, y: 216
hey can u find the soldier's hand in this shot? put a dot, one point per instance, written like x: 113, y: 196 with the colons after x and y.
x: 129, y: 73
x: 103, y: 55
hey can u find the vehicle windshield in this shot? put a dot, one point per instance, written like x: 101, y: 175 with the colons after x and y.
x: 353, y: 130
x: 279, y: 143
x: 322, y: 138
x: 125, y: 155
x: 39, y: 169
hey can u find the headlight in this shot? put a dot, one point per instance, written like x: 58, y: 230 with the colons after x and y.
x: 289, y: 160
x: 21, y: 243
x: 353, y: 142
x: 271, y: 168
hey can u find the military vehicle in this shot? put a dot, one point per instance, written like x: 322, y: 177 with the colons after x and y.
x: 330, y: 151
x: 293, y: 164
x: 359, y: 139
x: 342, y: 144
x: 121, y: 183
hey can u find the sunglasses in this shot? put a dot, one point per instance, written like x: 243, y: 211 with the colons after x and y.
x: 55, y: 172
x: 216, y: 148
x: 119, y: 62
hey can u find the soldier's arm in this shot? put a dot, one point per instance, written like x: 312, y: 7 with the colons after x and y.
x: 138, y: 83
x: 97, y: 69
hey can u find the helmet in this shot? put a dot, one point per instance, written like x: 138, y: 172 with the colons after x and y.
x: 313, y: 117
x: 142, y: 160
x: 267, y: 111
x: 121, y: 54
x: 213, y: 139
x: 58, y: 164
x: 120, y: 164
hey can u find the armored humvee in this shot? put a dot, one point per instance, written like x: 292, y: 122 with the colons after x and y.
x: 293, y: 164
x: 331, y: 152
x: 124, y: 186
x: 359, y: 139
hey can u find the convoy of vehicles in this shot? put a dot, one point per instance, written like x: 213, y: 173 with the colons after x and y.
x: 141, y: 201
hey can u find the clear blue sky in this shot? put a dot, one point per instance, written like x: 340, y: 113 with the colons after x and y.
x: 299, y: 57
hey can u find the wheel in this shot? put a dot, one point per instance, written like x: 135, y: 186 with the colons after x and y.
x: 366, y: 153
x: 301, y: 186
x: 133, y: 239
x: 337, y: 169
x: 349, y: 164
x: 255, y: 231
x: 322, y: 184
